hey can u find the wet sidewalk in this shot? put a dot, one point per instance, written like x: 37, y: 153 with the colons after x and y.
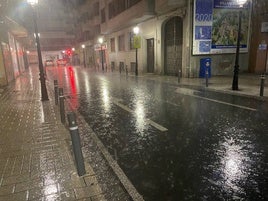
x: 248, y: 84
x: 36, y: 161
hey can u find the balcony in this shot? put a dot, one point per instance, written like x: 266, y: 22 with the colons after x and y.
x: 163, y: 6
x: 135, y: 14
x: 91, y: 23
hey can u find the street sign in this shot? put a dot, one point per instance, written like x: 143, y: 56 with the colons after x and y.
x: 98, y: 46
x: 137, y: 42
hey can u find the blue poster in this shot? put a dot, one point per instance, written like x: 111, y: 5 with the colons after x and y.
x: 202, y: 32
x: 204, y: 46
x: 204, y: 10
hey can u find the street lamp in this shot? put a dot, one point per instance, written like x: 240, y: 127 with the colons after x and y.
x: 84, y: 59
x: 44, y: 95
x: 101, y: 42
x: 236, y: 67
x: 136, y: 31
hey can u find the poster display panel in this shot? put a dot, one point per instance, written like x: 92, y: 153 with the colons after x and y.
x: 7, y: 62
x: 215, y: 27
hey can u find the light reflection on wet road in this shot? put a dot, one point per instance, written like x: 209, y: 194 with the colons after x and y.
x: 175, y: 143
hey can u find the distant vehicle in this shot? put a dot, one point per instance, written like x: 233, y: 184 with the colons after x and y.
x: 61, y: 62
x: 49, y: 62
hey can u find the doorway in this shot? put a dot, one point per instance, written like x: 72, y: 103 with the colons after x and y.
x: 150, y: 55
x: 173, y: 46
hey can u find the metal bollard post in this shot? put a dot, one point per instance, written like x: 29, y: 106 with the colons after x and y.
x: 206, y: 77
x: 62, y: 111
x: 179, y: 76
x: 262, y: 84
x: 126, y: 71
x: 56, y: 92
x: 76, y: 142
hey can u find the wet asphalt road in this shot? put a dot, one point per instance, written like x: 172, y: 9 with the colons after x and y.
x: 175, y: 143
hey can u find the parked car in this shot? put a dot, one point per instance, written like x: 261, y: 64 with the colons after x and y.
x: 49, y: 62
x: 61, y: 62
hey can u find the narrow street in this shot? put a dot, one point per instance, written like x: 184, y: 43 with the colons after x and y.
x: 174, y: 143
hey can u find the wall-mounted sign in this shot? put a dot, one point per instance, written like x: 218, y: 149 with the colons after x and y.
x: 264, y: 27
x: 215, y: 27
x: 137, y: 42
x: 262, y: 45
x: 98, y: 47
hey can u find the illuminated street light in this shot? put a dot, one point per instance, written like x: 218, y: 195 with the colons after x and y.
x: 101, y: 42
x: 84, y: 59
x: 32, y: 2
x: 241, y: 2
x: 44, y: 95
x: 136, y: 31
x: 236, y: 67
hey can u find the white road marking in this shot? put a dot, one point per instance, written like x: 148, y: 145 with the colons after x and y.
x: 149, y: 121
x: 190, y: 92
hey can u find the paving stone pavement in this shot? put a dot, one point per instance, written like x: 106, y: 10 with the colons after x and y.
x: 36, y: 162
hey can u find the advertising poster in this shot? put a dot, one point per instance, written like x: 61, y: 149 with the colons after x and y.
x: 215, y: 27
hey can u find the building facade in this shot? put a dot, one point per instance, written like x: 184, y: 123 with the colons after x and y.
x: 175, y: 35
x: 13, y: 60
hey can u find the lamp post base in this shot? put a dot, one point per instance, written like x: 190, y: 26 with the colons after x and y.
x: 44, y: 95
x: 136, y: 69
x: 235, y: 78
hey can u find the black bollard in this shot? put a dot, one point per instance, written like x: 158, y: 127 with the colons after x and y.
x: 126, y: 71
x: 262, y: 84
x: 62, y: 111
x: 206, y: 77
x: 56, y: 92
x: 76, y: 142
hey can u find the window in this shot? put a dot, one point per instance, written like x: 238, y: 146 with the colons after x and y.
x: 118, y: 6
x: 121, y: 6
x: 133, y: 2
x: 103, y: 15
x: 121, y: 43
x: 111, y: 10
x: 97, y: 29
x: 96, y: 8
x: 131, y: 41
x: 112, y: 41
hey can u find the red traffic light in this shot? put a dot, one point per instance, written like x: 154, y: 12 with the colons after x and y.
x: 69, y: 52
